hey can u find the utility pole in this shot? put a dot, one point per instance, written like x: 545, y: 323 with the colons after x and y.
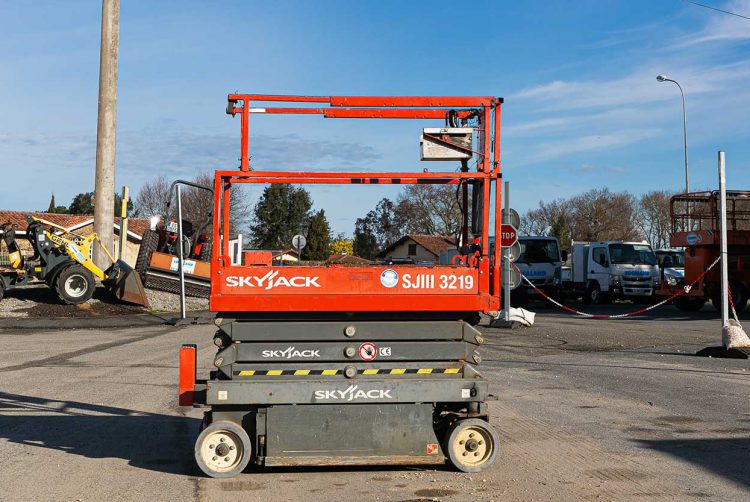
x: 104, y: 188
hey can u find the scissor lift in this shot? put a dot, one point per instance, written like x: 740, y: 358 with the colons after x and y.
x: 354, y: 365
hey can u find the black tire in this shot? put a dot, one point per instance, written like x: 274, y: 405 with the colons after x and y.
x: 2, y: 289
x: 470, y: 445
x: 231, y: 444
x: 75, y: 284
x: 689, y: 304
x: 206, y: 249
x: 51, y: 278
x: 519, y: 299
x: 594, y: 294
x: 739, y: 297
x: 149, y: 241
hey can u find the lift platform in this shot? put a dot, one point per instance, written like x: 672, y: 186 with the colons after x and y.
x: 355, y: 365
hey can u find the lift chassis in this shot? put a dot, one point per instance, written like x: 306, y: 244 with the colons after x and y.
x: 354, y: 365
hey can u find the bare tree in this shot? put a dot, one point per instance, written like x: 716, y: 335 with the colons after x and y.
x: 152, y: 198
x: 429, y: 209
x: 654, y: 218
x: 594, y: 215
x: 197, y: 204
x: 600, y: 215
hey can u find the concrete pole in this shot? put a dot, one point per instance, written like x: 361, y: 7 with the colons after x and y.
x: 723, y: 242
x: 104, y: 188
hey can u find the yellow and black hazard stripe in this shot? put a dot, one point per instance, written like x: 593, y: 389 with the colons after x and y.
x: 372, y: 371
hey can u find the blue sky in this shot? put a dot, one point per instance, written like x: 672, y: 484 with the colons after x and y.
x: 583, y: 109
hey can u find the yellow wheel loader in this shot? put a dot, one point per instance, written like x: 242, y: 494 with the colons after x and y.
x: 62, y: 259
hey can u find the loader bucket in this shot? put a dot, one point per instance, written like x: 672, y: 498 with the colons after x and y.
x: 125, y: 284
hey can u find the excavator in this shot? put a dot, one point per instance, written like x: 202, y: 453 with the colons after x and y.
x: 62, y: 259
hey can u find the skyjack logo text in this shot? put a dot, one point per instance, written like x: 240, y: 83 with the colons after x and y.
x: 272, y: 280
x: 352, y: 392
x: 289, y: 353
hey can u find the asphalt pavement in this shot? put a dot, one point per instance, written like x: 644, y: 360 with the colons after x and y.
x: 586, y: 409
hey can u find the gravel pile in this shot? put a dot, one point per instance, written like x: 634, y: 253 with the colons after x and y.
x: 161, y: 301
x: 37, y: 300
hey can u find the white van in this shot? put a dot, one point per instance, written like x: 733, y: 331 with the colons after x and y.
x: 614, y: 270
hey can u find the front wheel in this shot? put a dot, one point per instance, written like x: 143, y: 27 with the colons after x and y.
x: 471, y: 445
x: 75, y: 284
x: 594, y: 294
x: 223, y: 449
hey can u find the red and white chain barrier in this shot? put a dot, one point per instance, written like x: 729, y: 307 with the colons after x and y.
x: 686, y: 289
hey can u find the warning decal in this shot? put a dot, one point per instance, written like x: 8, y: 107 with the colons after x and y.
x: 367, y: 351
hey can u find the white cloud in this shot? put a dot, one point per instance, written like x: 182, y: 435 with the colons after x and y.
x: 553, y: 149
x: 721, y: 27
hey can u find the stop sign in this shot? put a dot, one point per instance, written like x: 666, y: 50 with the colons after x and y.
x: 508, y: 235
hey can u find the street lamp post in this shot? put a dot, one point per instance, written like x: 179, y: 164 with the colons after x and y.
x: 663, y: 78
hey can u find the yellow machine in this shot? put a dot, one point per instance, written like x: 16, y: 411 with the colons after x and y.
x: 62, y: 258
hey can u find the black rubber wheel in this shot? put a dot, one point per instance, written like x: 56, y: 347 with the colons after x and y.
x: 471, y: 445
x: 51, y: 278
x: 149, y: 241
x: 223, y: 449
x: 594, y: 294
x: 75, y: 284
x: 2, y: 290
x: 519, y: 299
x: 739, y: 297
x: 206, y: 249
x: 689, y: 304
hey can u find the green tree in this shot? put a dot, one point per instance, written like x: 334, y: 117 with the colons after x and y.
x: 83, y: 203
x: 282, y: 212
x: 561, y: 230
x: 379, y: 228
x: 318, y: 237
x: 55, y: 209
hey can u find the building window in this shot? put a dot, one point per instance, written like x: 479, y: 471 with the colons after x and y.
x: 412, y: 250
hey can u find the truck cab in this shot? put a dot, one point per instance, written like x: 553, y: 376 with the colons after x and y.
x: 541, y: 263
x: 671, y: 265
x: 614, y: 270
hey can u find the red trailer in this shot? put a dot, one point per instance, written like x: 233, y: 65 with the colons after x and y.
x: 695, y: 227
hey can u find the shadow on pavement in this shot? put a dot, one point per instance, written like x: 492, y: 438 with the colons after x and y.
x: 727, y: 457
x: 149, y: 441
x: 663, y: 312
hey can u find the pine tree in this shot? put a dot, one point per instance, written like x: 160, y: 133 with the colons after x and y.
x: 52, y: 206
x: 282, y: 212
x: 318, y: 237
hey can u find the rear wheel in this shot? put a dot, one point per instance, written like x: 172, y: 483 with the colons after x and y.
x: 688, y: 304
x: 739, y: 296
x: 75, y: 284
x: 471, y: 445
x: 223, y: 449
x: 205, y: 254
x: 2, y: 289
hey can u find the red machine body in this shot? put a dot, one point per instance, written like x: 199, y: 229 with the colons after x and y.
x: 470, y: 284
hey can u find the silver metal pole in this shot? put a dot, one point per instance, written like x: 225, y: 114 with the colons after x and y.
x: 506, y: 259
x: 723, y: 241
x: 180, y: 253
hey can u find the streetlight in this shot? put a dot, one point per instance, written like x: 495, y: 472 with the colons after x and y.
x: 663, y: 78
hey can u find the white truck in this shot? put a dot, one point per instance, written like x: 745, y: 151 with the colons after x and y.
x: 606, y: 270
x: 541, y: 262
